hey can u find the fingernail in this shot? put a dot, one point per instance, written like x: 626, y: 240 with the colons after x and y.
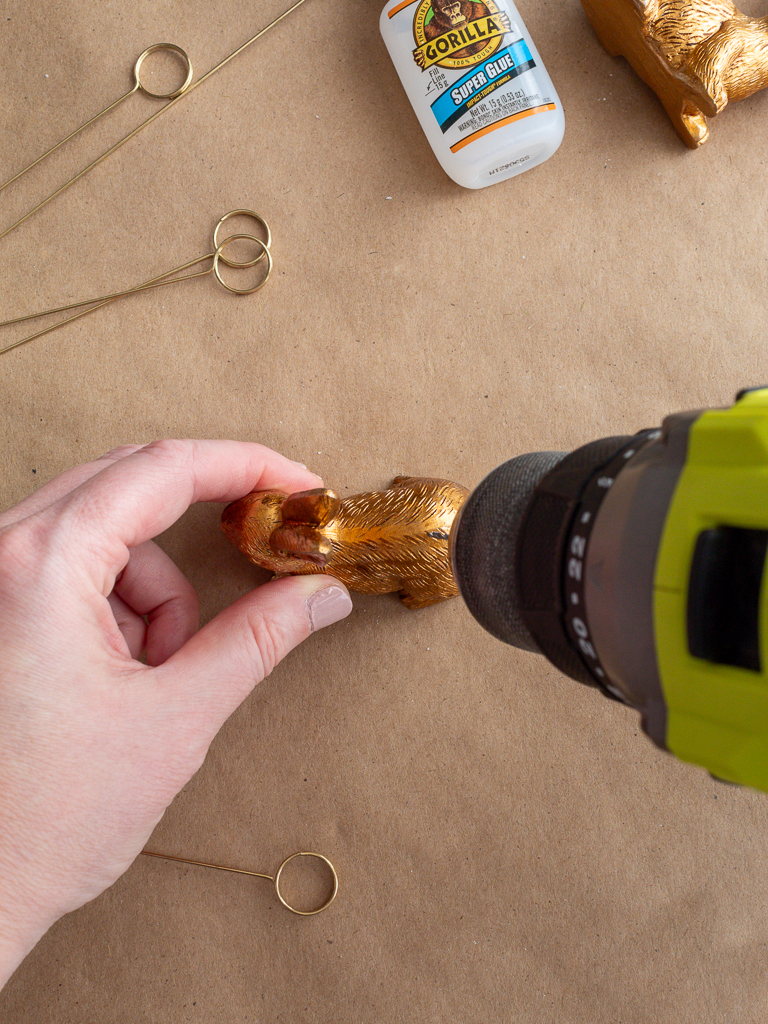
x: 328, y: 606
x: 299, y: 464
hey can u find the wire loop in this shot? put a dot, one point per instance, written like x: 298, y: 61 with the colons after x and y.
x: 242, y: 213
x: 328, y: 902
x: 218, y: 256
x: 155, y: 48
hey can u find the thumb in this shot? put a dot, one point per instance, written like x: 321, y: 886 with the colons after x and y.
x: 219, y: 666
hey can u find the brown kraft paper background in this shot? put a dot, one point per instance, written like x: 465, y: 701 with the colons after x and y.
x: 510, y: 846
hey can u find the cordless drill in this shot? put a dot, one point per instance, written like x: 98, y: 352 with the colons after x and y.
x: 636, y: 564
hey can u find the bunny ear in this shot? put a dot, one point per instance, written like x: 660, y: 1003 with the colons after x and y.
x: 300, y: 541
x: 313, y: 508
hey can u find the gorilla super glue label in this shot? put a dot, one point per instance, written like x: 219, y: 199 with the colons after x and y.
x: 477, y: 84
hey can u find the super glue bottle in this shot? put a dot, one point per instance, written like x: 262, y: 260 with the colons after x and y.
x: 477, y: 84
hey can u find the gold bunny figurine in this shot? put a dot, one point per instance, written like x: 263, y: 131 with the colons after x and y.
x: 374, y: 542
x: 697, y: 55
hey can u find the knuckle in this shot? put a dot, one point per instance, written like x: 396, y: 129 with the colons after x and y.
x: 186, y: 597
x: 17, y: 549
x: 173, y: 456
x: 120, y: 452
x: 169, y: 450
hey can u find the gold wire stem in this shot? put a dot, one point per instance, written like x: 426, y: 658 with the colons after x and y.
x: 203, y: 864
x: 71, y: 135
x: 155, y: 282
x: 186, y: 90
x: 85, y: 170
x: 245, y: 45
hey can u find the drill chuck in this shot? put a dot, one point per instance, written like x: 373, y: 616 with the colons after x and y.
x: 636, y: 564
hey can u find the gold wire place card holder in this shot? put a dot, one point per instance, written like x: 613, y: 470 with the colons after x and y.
x: 174, y: 96
x: 217, y: 257
x: 276, y: 879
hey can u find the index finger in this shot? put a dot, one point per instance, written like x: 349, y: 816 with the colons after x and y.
x: 62, y: 484
x: 144, y: 493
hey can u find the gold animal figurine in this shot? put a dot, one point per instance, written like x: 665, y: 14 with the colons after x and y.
x: 375, y: 542
x: 696, y: 55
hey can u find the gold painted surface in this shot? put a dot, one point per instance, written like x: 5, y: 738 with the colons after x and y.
x: 375, y: 542
x: 697, y: 55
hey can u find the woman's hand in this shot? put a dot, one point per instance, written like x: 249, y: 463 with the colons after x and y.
x: 95, y: 744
